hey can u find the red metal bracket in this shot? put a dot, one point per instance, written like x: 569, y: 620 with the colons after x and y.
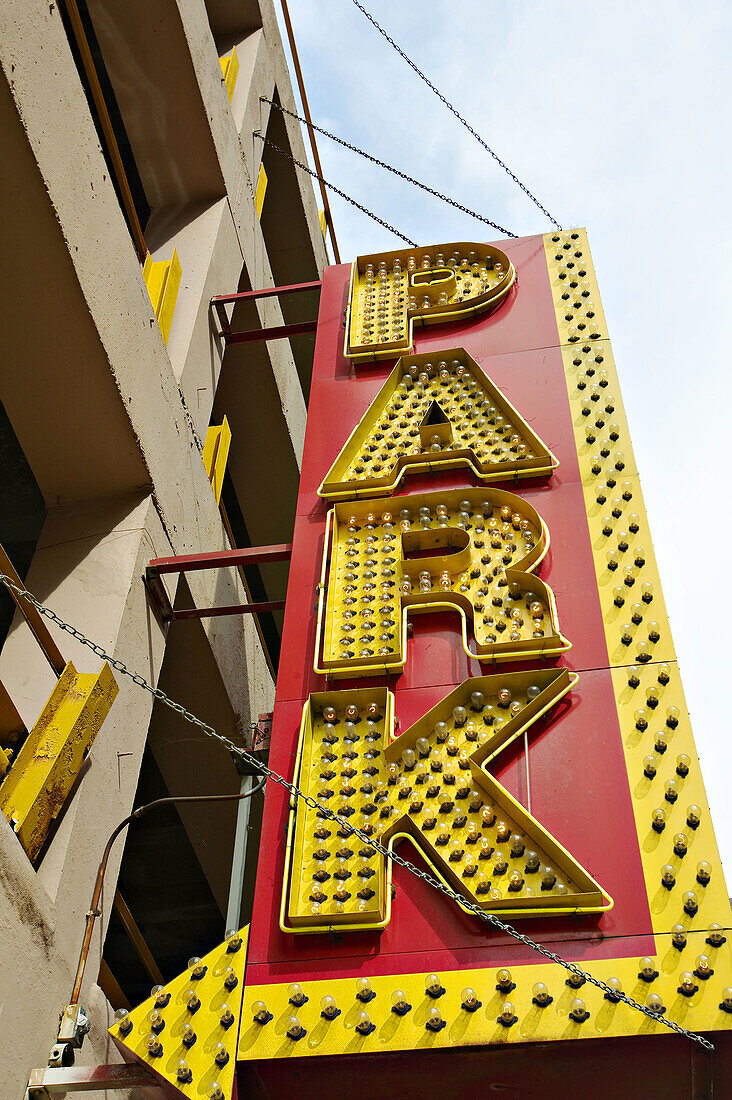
x: 219, y: 303
x: 217, y: 559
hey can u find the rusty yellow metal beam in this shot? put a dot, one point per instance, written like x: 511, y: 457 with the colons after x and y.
x: 111, y: 988
x: 35, y: 789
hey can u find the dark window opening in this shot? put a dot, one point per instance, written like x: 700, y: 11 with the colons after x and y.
x: 166, y: 892
x: 134, y: 182
x: 252, y: 573
x: 22, y: 513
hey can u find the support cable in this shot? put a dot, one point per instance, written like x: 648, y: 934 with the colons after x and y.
x: 388, y: 167
x: 343, y: 822
x: 374, y: 217
x: 454, y: 111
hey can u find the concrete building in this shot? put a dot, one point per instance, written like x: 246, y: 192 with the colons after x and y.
x: 104, y: 413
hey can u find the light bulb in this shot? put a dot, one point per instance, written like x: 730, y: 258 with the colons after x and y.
x: 215, y: 1092
x: 681, y: 844
x: 693, y: 816
x: 295, y: 1030
x: 540, y: 993
x: 433, y: 985
x: 328, y: 1007
x: 160, y: 995
x: 504, y: 980
x: 469, y: 999
x: 654, y: 1002
x: 516, y: 844
x: 221, y: 1055
x: 434, y: 1019
x: 196, y: 967
x: 153, y: 1045
x: 233, y: 940
x: 364, y: 992
x: 703, y: 872
x: 578, y: 1010
x: 187, y: 1035
x: 715, y: 935
x: 157, y: 1023
x: 296, y: 994
x: 683, y: 762
x: 703, y: 966
x: 260, y: 1013
x: 226, y: 1016
x: 687, y: 985
x: 616, y: 987
x: 123, y: 1021
x: 508, y: 1014
x: 363, y: 1023
x: 690, y: 902
x: 647, y: 968
x: 183, y: 1071
x: 678, y: 935
x: 399, y: 1002
x: 668, y: 876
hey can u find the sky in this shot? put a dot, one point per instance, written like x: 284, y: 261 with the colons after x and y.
x: 614, y: 116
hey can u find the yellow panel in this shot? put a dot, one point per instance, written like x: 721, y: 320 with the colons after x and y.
x: 436, y: 412
x: 36, y: 787
x: 390, y: 292
x: 430, y: 786
x: 654, y: 722
x: 162, y: 278
x: 230, y: 69
x: 215, y: 455
x: 261, y: 191
x: 700, y: 1012
x: 633, y: 609
x: 132, y: 1033
x: 577, y: 302
x: 482, y: 566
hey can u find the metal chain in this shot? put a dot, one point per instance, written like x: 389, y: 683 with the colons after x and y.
x: 332, y: 186
x: 343, y: 823
x: 457, y: 114
x: 394, y: 171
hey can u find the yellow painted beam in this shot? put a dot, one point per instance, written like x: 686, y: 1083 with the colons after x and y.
x: 230, y: 69
x: 216, y: 454
x: 35, y: 789
x: 162, y: 278
x: 261, y: 191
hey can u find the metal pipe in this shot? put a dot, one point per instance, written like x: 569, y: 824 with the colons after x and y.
x: 239, y: 857
x: 94, y: 910
x: 311, y: 132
